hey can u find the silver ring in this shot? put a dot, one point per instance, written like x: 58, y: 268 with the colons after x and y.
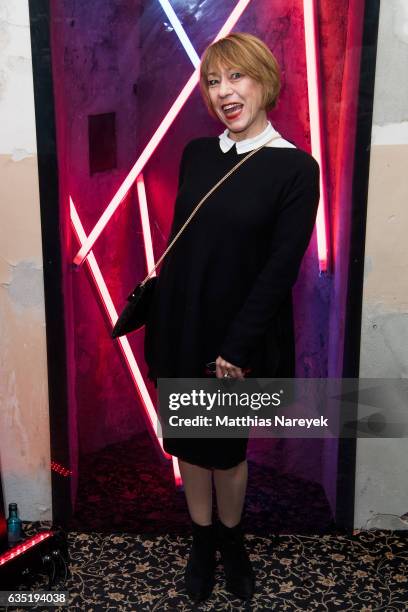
x: 226, y: 375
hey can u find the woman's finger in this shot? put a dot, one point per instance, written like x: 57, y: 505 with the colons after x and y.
x: 224, y: 367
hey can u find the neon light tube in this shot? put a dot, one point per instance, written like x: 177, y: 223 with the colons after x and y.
x: 178, y: 28
x: 137, y: 168
x: 144, y: 215
x: 316, y: 127
x: 21, y: 548
x: 176, y: 471
x: 140, y: 163
x: 232, y: 19
x: 60, y: 469
x: 123, y: 341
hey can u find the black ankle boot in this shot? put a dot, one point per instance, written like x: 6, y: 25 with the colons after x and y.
x: 240, y: 579
x: 199, y: 575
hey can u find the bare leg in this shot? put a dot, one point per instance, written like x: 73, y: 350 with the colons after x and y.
x: 198, y: 491
x: 230, y: 487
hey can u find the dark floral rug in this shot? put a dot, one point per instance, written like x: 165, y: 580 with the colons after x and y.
x: 124, y: 572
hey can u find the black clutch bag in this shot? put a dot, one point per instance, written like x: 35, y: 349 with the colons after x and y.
x: 135, y: 313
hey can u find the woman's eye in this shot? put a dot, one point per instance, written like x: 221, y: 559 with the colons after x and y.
x: 212, y: 82
x: 236, y: 75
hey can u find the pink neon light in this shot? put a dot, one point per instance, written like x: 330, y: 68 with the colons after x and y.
x: 144, y: 215
x: 123, y: 342
x: 21, y: 548
x: 316, y: 127
x: 60, y: 469
x: 176, y: 470
x: 179, y: 102
x: 232, y: 19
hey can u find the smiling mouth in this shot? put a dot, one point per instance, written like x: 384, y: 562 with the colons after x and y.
x: 232, y: 110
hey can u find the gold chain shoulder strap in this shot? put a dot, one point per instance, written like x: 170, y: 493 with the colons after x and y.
x: 207, y: 195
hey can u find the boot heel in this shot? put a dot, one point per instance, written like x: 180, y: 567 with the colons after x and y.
x: 199, y: 575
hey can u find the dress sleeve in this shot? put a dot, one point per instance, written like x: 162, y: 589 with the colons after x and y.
x: 183, y: 163
x: 290, y: 236
x: 182, y: 168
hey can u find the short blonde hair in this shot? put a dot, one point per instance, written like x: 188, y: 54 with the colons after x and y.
x: 252, y: 56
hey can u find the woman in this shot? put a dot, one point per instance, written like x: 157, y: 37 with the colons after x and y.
x: 224, y: 290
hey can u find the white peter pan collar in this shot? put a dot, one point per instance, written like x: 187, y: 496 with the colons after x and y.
x: 248, y: 144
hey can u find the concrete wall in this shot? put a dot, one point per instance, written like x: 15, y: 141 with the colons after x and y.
x: 24, y: 426
x: 381, y: 483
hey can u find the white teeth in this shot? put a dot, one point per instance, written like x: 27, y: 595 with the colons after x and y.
x: 229, y: 106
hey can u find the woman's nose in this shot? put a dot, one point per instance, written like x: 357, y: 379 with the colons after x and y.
x: 224, y: 88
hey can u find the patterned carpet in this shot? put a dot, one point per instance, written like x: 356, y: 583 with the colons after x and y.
x: 125, y: 572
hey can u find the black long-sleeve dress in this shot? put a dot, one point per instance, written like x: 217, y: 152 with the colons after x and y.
x: 225, y: 287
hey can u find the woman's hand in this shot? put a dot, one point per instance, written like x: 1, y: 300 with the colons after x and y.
x: 225, y: 369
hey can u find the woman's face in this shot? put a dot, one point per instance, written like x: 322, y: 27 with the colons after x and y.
x: 237, y: 101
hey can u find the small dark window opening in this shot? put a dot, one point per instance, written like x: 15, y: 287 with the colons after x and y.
x: 102, y: 142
